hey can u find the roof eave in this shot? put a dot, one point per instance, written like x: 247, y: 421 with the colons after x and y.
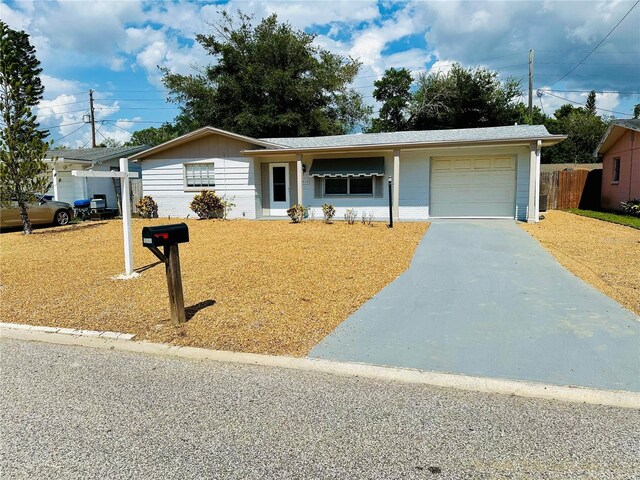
x: 66, y: 160
x: 201, y: 132
x: 546, y: 142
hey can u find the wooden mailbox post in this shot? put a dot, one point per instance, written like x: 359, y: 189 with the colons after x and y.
x: 169, y: 236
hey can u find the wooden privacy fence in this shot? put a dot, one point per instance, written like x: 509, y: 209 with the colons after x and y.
x: 570, y: 189
x: 136, y: 193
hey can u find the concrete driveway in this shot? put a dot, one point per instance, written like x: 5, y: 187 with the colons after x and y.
x: 483, y: 298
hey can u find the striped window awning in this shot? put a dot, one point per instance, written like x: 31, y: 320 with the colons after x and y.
x: 347, y: 167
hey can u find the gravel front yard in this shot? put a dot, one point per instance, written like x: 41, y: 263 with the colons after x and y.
x: 266, y: 287
x: 603, y: 254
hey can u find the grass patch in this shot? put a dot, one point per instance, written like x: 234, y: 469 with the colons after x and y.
x: 620, y: 219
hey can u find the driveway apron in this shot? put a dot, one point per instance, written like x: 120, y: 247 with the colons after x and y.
x: 482, y: 297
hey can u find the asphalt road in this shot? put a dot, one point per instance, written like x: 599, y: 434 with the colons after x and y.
x: 75, y: 412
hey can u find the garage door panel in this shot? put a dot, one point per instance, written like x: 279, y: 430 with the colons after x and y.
x: 465, y: 164
x: 483, y: 164
x: 473, y: 187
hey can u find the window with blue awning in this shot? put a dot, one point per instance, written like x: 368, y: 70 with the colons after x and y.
x: 347, y: 167
x: 340, y: 177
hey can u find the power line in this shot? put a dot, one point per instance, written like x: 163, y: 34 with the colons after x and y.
x: 138, y: 108
x: 578, y: 103
x: 61, y: 113
x: 596, y: 47
x: 597, y: 91
x: 99, y: 133
x: 593, y: 64
x: 132, y: 121
x: 62, y: 104
x: 70, y: 94
x: 121, y: 128
x: 63, y: 125
x: 65, y: 136
x: 594, y: 53
x: 90, y: 138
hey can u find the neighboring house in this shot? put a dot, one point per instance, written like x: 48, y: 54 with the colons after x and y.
x: 474, y: 173
x: 67, y: 188
x: 620, y: 153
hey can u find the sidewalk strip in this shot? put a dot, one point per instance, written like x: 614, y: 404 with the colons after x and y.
x: 122, y: 342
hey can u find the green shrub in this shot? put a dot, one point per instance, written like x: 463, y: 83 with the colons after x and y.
x: 297, y: 213
x: 632, y: 207
x: 147, y: 207
x: 207, y: 204
x: 329, y: 212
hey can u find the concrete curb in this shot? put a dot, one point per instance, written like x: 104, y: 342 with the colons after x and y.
x: 622, y: 399
x: 68, y: 331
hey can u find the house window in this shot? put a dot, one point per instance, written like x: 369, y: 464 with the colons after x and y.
x: 348, y: 186
x: 616, y: 169
x: 199, y: 175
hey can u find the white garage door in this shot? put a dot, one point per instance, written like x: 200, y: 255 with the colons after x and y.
x: 473, y: 186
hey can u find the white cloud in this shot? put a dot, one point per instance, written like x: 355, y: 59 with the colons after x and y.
x: 125, y: 36
x: 54, y: 86
x: 552, y: 101
x: 370, y: 42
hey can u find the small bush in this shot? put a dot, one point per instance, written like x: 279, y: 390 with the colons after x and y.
x: 227, y: 206
x: 206, y: 204
x: 147, y: 207
x: 351, y: 215
x: 329, y: 212
x: 367, y: 218
x: 632, y: 207
x: 297, y: 213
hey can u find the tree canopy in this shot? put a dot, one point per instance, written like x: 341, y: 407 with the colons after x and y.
x: 153, y: 136
x: 584, y: 130
x: 268, y: 80
x: 393, y: 90
x: 464, y: 98
x: 459, y: 98
x: 23, y: 172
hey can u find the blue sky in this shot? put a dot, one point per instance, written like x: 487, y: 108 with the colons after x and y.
x: 115, y: 48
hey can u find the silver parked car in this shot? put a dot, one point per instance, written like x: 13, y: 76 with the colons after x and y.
x: 42, y: 212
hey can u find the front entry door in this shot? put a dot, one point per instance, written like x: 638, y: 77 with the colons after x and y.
x: 278, y: 189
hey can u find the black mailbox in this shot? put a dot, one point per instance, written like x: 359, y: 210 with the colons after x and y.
x: 165, y: 235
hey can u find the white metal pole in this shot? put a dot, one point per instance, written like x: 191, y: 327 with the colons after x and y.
x: 126, y: 217
x: 537, y: 198
x: 54, y: 174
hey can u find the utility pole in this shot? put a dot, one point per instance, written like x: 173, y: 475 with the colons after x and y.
x: 93, y: 119
x: 530, y: 87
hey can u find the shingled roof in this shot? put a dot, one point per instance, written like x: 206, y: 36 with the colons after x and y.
x: 95, y: 155
x: 512, y: 132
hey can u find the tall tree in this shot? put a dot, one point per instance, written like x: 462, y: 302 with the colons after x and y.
x: 464, y: 98
x: 636, y: 111
x: 23, y: 171
x: 393, y: 90
x: 268, y: 80
x: 583, y: 129
x: 590, y: 105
